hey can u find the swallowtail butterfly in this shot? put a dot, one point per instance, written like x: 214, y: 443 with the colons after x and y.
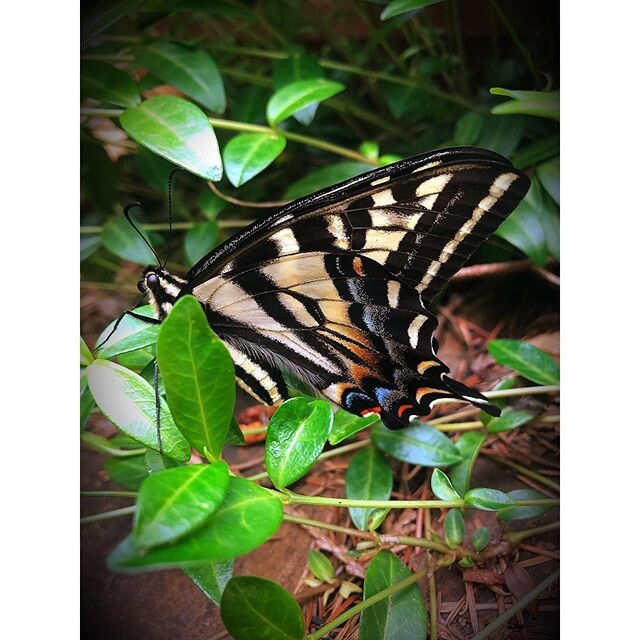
x: 336, y: 287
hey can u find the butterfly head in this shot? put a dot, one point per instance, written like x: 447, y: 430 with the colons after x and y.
x: 162, y: 289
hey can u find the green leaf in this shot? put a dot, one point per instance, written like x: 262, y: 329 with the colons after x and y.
x: 132, y: 334
x: 296, y: 435
x: 173, y: 502
x: 128, y: 472
x: 549, y: 175
x: 191, y: 71
x: 178, y: 131
x: 199, y: 240
x: 442, y: 487
x: 502, y: 134
x: 259, y: 609
x: 545, y: 104
x: 235, y: 435
x: 286, y: 101
x: 346, y: 424
x: 154, y: 169
x: 509, y: 419
x: 210, y: 204
x: 487, y: 499
x: 198, y: 374
x: 524, y: 230
x: 468, y: 128
x: 529, y: 361
x: 86, y: 357
x: 401, y: 616
x: 369, y: 477
x: 89, y: 245
x: 155, y: 462
x: 128, y: 400
x: 211, y: 578
x: 417, y: 444
x: 119, y: 237
x: 247, y: 517
x: 468, y: 446
x: 320, y: 566
x: 453, y: 528
x: 325, y: 177
x: 246, y: 155
x: 298, y: 66
x: 536, y: 152
x: 86, y: 399
x: 520, y: 513
x: 481, y: 537
x: 397, y: 7
x: 106, y: 83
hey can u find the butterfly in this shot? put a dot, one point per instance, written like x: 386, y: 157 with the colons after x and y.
x: 336, y: 287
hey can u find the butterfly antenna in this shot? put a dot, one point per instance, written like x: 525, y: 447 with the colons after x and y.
x: 170, y: 199
x: 127, y: 215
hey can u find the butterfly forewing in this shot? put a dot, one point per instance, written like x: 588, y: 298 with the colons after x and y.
x: 336, y: 287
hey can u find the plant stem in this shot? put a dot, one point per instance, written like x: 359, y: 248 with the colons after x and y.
x: 365, y: 604
x: 518, y: 606
x: 103, y: 445
x: 516, y: 537
x: 109, y: 494
x: 460, y: 426
x: 288, y: 497
x: 522, y: 391
x: 256, y: 128
x: 525, y: 471
x: 433, y: 605
x: 107, y: 515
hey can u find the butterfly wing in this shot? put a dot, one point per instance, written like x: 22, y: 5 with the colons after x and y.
x: 336, y: 286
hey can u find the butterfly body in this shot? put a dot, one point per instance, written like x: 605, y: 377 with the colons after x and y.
x: 336, y: 287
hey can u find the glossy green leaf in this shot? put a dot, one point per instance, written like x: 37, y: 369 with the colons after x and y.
x: 127, y: 471
x: 397, y: 7
x: 453, y: 528
x: 536, y: 152
x: 235, y: 435
x: 178, y: 131
x: 210, y: 204
x: 549, y: 175
x: 86, y: 357
x: 128, y: 400
x: 298, y: 66
x: 296, y: 435
x: 521, y: 513
x: 248, y: 516
x: 468, y: 128
x: 481, y: 537
x: 442, y: 487
x: 199, y: 376
x: 155, y: 462
x: 346, y: 424
x: 246, y: 155
x: 106, y: 83
x: 119, y: 237
x: 509, y: 419
x: 529, y: 361
x: 545, y: 104
x: 86, y: 399
x: 325, y: 177
x: 286, y: 101
x: 173, y: 502
x: 401, y: 616
x: 320, y: 566
x: 487, y: 499
x: 89, y: 244
x: 417, y: 444
x: 369, y: 477
x: 132, y: 334
x: 192, y: 71
x: 211, y: 578
x: 468, y: 446
x: 259, y: 609
x: 502, y: 134
x: 524, y: 230
x: 200, y: 240
x: 370, y: 149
